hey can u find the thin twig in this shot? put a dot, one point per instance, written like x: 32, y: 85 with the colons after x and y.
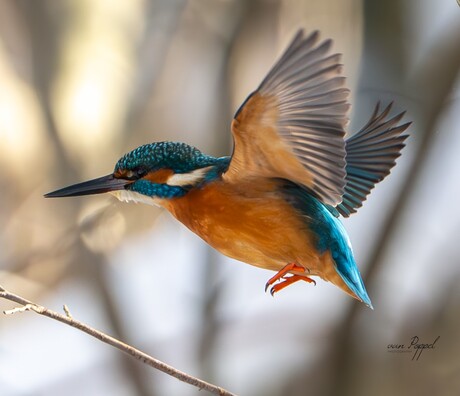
x: 27, y: 305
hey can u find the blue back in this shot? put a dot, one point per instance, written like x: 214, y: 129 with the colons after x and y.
x: 330, y: 235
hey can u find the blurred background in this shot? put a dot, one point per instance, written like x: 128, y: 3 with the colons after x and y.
x: 84, y: 81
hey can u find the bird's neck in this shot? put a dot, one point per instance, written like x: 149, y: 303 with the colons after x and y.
x: 215, y: 170
x: 198, y: 177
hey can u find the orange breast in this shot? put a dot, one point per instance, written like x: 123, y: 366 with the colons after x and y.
x: 251, y: 223
x: 248, y: 222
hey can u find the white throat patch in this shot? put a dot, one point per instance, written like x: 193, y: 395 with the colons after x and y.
x: 133, y: 196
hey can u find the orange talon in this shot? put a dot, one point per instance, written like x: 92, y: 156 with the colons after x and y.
x: 289, y: 281
x: 282, y: 272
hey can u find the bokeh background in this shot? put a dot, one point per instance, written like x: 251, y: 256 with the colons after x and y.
x: 84, y: 81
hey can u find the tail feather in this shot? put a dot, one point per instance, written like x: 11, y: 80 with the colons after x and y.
x: 345, y: 263
x: 352, y: 278
x: 371, y: 153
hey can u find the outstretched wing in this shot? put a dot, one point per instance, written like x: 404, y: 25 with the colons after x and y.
x: 292, y: 126
x: 371, y: 153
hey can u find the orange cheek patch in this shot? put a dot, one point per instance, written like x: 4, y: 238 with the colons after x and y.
x: 119, y: 174
x: 160, y: 176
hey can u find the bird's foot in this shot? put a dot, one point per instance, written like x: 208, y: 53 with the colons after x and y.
x: 285, y: 280
x: 289, y: 280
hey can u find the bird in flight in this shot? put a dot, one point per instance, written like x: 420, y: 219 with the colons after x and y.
x: 275, y: 202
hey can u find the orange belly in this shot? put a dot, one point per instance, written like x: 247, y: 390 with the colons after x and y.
x: 253, y: 225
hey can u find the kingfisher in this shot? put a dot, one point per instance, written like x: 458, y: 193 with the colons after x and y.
x: 275, y: 202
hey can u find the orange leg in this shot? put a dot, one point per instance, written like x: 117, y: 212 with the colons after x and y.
x: 286, y: 281
x: 289, y: 281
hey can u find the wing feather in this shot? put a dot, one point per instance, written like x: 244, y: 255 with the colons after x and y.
x: 292, y: 126
x: 371, y: 153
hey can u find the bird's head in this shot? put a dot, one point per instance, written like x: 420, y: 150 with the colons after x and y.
x: 152, y: 172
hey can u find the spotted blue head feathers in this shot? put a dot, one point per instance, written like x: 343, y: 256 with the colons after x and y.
x: 165, y: 170
x: 179, y: 157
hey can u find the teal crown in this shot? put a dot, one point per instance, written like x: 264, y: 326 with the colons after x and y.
x: 179, y: 157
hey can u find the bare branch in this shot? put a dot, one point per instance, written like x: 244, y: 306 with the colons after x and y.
x: 27, y: 305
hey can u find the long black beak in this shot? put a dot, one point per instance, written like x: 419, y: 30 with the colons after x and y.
x: 96, y: 186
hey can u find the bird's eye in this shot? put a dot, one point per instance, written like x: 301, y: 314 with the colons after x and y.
x: 135, y: 173
x: 140, y: 172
